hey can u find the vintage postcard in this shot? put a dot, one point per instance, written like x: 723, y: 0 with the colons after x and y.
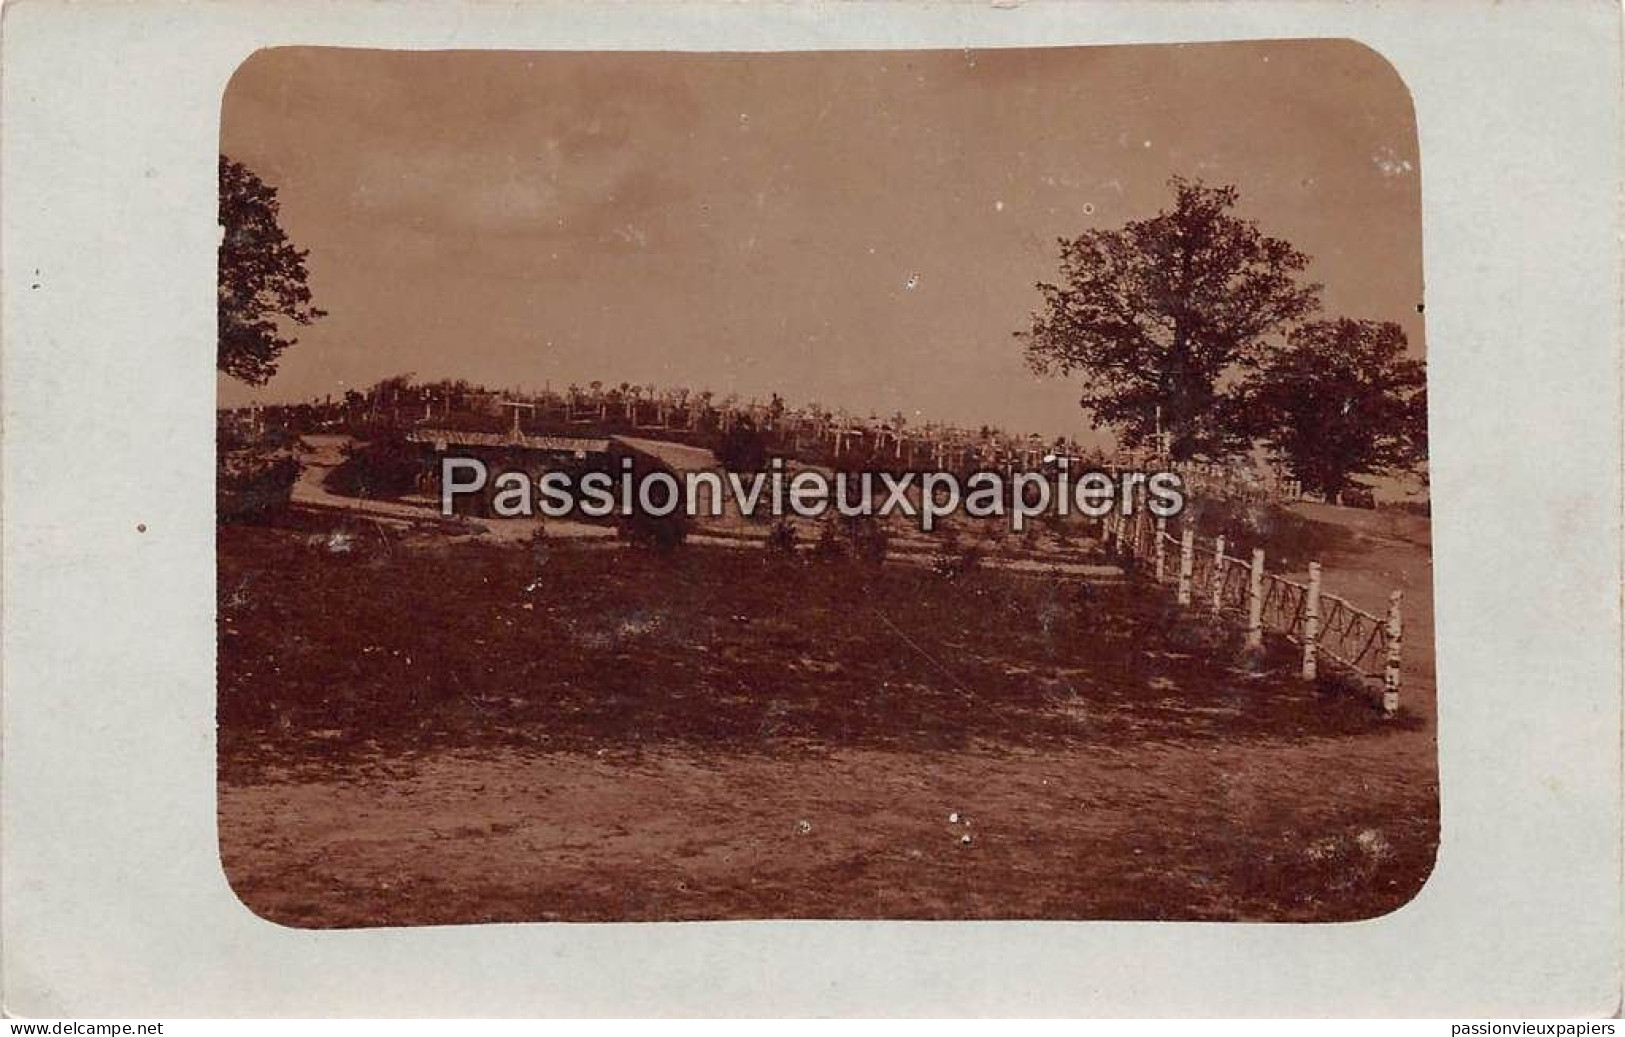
x: 802, y: 509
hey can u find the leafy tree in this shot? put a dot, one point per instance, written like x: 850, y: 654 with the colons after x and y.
x: 391, y: 390
x: 1342, y: 399
x: 261, y: 279
x: 1161, y: 315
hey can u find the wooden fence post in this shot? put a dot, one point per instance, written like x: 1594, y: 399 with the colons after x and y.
x: 1187, y: 562
x: 1216, y: 576
x: 1255, y: 601
x: 1390, y: 671
x: 1161, y: 549
x: 1311, y: 622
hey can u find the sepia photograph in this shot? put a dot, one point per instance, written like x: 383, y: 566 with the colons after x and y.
x: 974, y: 484
x: 892, y: 513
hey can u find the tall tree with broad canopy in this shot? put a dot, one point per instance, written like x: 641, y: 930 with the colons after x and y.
x: 1342, y: 399
x: 262, y: 278
x: 1162, y: 317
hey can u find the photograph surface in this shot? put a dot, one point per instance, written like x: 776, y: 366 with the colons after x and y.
x: 971, y: 484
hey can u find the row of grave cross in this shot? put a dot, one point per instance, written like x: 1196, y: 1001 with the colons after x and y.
x: 811, y: 427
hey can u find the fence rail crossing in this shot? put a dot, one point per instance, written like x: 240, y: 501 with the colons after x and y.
x: 1327, y: 628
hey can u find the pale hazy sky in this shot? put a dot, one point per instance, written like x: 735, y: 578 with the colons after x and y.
x: 752, y: 222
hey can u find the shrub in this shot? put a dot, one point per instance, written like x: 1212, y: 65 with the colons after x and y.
x: 866, y: 536
x: 380, y: 469
x: 952, y: 564
x: 831, y: 544
x: 1060, y: 531
x: 538, y: 545
x: 859, y: 537
x: 252, y: 486
x: 743, y: 448
x: 955, y: 558
x: 781, y: 538
x: 660, y: 532
x: 641, y: 528
x: 1359, y: 497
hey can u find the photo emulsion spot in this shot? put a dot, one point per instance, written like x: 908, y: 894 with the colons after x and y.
x: 938, y: 485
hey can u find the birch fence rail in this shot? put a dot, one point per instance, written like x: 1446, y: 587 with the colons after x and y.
x: 1328, y: 629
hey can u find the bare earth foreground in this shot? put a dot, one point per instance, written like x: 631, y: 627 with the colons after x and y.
x: 467, y: 732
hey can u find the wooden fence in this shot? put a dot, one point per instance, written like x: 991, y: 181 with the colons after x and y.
x: 1206, y: 579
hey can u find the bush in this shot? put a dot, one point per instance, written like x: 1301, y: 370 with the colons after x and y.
x: 663, y: 532
x: 660, y: 532
x: 538, y: 545
x: 831, y: 544
x: 866, y: 536
x: 1061, y: 531
x: 961, y: 561
x: 1359, y: 497
x: 252, y: 486
x: 743, y: 448
x: 859, y: 537
x: 781, y: 538
x: 381, y: 469
x: 955, y: 559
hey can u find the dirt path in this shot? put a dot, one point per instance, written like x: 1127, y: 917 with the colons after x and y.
x: 326, y: 452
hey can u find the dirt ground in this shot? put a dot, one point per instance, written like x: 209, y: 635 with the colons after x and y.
x: 557, y: 731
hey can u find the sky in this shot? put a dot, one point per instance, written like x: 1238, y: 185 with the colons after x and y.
x: 858, y: 229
